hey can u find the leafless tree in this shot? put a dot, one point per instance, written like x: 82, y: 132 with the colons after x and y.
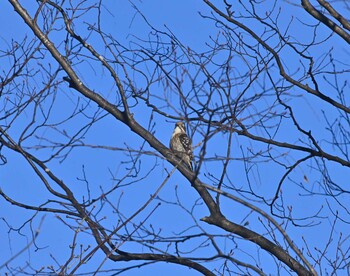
x: 87, y: 114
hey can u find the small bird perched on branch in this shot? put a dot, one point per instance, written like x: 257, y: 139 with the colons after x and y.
x: 181, y: 144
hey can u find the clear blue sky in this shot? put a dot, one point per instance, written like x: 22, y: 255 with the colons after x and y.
x: 19, y: 182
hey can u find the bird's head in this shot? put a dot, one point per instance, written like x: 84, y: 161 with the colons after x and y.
x: 180, y: 127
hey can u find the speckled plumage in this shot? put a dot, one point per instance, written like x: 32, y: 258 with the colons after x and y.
x: 181, y: 144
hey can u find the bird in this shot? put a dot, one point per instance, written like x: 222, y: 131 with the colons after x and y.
x: 181, y: 144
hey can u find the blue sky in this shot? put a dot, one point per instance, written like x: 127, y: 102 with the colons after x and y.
x: 103, y: 167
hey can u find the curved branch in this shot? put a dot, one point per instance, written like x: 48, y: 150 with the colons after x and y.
x: 279, y: 62
x: 326, y: 21
x: 162, y: 257
x: 341, y: 19
x: 264, y: 243
x: 216, y: 217
x: 35, y: 208
x: 269, y: 218
x: 36, y: 234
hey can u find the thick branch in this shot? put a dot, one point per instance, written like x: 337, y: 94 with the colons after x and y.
x: 325, y: 20
x: 264, y: 243
x: 341, y: 19
x: 215, y: 217
x: 164, y: 258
